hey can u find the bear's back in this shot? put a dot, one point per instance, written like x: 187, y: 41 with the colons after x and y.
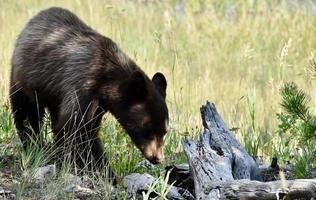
x: 52, y: 48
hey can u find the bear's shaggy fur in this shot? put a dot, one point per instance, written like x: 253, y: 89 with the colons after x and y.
x: 62, y: 65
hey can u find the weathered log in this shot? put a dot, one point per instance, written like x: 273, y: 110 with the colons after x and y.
x: 218, y: 161
x: 218, y: 156
x: 180, y: 176
x: 225, y: 143
x: 247, y: 189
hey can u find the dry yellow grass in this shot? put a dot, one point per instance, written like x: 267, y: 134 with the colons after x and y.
x: 232, y: 53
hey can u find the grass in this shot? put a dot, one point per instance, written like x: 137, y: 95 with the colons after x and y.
x: 235, y: 53
x: 160, y: 187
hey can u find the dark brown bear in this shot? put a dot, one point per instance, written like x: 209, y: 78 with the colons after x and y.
x: 62, y: 65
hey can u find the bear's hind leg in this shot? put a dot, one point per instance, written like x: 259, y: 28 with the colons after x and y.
x: 28, y: 117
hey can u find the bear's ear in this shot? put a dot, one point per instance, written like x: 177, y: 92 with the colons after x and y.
x: 161, y: 83
x: 134, y: 89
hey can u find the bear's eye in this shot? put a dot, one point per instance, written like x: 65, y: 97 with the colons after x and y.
x: 146, y: 122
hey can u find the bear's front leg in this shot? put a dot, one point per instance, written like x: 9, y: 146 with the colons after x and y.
x: 76, y: 135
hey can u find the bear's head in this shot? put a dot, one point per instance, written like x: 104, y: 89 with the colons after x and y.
x: 144, y: 114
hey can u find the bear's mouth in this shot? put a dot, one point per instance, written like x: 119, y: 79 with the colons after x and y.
x: 154, y: 159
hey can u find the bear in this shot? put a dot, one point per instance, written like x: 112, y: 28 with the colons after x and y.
x: 62, y: 66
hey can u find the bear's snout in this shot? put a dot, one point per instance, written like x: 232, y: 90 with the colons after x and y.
x: 154, y: 151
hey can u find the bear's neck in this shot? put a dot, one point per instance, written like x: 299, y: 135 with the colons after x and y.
x: 117, y: 67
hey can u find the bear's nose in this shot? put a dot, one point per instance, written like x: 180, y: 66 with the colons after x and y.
x: 157, y: 159
x: 160, y: 157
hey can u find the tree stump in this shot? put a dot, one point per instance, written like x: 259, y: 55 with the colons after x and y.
x: 218, y: 162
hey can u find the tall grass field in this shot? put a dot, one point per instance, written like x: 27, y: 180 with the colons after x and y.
x: 237, y: 54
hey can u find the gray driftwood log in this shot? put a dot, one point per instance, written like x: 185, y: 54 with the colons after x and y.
x: 218, y: 162
x: 303, y: 189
